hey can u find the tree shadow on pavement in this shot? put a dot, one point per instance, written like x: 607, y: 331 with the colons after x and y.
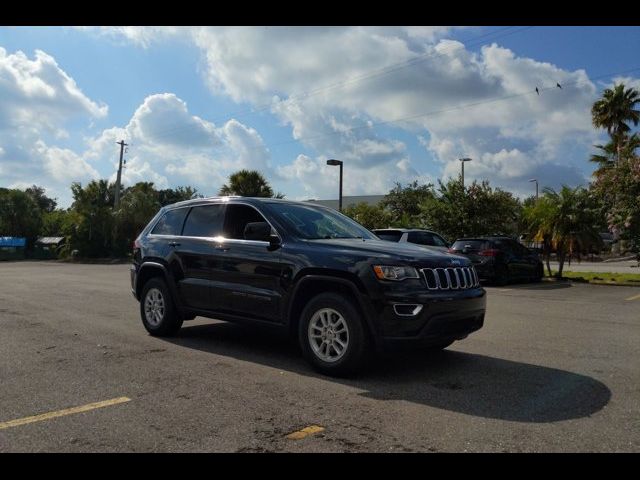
x: 468, y: 383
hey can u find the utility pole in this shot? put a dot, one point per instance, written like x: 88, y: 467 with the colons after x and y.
x: 117, y: 199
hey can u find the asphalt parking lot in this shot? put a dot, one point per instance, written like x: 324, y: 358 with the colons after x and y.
x: 554, y: 369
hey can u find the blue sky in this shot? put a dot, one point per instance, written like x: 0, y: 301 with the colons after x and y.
x: 195, y: 104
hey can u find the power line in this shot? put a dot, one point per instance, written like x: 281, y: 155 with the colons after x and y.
x: 445, y: 110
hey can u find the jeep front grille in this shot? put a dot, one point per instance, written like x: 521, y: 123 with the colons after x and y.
x: 451, y: 278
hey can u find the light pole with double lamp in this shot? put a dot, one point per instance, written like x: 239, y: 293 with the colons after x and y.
x: 462, y: 160
x: 535, y: 180
x: 334, y: 162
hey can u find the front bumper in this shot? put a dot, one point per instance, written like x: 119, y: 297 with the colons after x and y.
x: 444, y: 316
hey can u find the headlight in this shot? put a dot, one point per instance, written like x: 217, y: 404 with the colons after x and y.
x: 386, y: 272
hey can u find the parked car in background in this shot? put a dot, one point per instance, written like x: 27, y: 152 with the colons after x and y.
x: 500, y: 259
x: 418, y: 236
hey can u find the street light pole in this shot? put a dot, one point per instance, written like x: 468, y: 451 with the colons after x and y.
x: 535, y: 180
x: 462, y: 160
x: 334, y: 162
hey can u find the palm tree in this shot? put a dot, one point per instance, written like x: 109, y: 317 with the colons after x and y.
x: 248, y: 183
x: 609, y: 151
x: 613, y: 111
x: 563, y: 220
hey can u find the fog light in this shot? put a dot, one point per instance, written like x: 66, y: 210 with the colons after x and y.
x: 407, y: 309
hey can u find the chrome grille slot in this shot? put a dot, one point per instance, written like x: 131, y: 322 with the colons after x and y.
x: 467, y: 276
x: 443, y: 278
x: 430, y: 278
x: 450, y: 278
x: 454, y: 280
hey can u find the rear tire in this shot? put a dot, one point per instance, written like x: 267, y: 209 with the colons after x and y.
x: 332, y: 335
x: 539, y: 274
x: 501, y: 277
x: 157, y: 310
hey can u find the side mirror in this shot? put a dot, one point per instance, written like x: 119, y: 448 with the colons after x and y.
x: 257, y: 231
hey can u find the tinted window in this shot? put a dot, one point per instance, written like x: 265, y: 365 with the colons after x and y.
x: 470, y: 245
x: 313, y: 223
x: 389, y: 235
x: 520, y: 249
x: 426, y: 238
x: 204, y: 221
x: 171, y: 222
x: 505, y: 246
x: 237, y: 217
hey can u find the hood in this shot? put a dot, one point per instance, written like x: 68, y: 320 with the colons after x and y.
x: 405, y: 252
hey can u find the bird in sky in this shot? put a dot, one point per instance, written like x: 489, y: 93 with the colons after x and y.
x: 558, y: 85
x: 537, y: 91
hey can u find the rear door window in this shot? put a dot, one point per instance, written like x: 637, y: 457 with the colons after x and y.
x: 236, y: 218
x: 171, y: 222
x: 426, y: 238
x: 505, y: 246
x: 204, y: 221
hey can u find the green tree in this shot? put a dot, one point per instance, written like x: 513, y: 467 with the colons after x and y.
x: 370, y: 216
x: 614, y: 111
x: 618, y: 190
x: 248, y: 183
x: 403, y: 201
x: 478, y: 209
x: 55, y: 223
x: 92, y: 209
x: 178, y: 194
x: 609, y: 153
x: 20, y: 215
x: 138, y: 204
x: 46, y: 204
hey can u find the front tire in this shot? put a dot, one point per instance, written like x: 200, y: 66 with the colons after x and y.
x: 332, y: 335
x: 157, y: 310
x: 438, y: 347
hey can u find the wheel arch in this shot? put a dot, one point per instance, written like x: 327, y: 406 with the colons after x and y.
x: 153, y: 269
x: 311, y: 284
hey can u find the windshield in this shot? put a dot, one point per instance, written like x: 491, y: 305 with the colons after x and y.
x: 313, y: 222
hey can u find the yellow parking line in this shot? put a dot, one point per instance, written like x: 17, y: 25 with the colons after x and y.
x: 310, y: 430
x: 62, y: 413
x: 635, y: 297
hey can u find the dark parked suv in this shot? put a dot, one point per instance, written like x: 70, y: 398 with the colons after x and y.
x: 305, y: 268
x: 500, y: 259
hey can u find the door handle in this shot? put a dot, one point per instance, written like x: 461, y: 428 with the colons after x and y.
x: 222, y: 248
x: 174, y: 244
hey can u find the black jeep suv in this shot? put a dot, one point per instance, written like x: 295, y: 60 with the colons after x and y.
x: 339, y: 289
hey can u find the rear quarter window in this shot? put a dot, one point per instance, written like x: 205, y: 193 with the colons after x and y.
x: 470, y: 245
x: 389, y: 236
x: 170, y: 223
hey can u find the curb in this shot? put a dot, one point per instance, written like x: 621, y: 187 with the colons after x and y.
x: 590, y: 282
